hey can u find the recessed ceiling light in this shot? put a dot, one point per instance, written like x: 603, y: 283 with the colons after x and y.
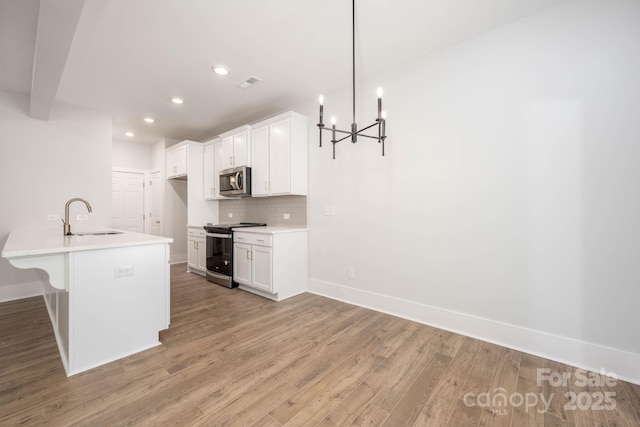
x: 177, y: 100
x: 149, y: 119
x: 220, y: 70
x: 130, y: 134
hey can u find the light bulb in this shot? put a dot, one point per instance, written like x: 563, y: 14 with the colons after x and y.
x: 220, y: 70
x: 379, y: 92
x: 321, y: 99
x: 384, y: 114
x: 333, y: 120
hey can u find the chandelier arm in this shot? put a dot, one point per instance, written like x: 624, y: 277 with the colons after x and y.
x: 371, y: 136
x: 342, y: 139
x: 338, y: 130
x: 368, y: 127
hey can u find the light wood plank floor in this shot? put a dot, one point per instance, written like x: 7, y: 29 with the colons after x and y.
x: 232, y: 358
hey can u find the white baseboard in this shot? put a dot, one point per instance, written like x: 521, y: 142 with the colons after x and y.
x: 570, y: 351
x: 21, y: 290
x: 178, y: 258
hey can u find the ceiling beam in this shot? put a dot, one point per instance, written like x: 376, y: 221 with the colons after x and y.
x: 57, y: 24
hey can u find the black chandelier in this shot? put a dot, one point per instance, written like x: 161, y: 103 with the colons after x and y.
x: 354, y: 132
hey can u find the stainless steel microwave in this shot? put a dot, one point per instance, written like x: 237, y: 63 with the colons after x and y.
x: 236, y: 182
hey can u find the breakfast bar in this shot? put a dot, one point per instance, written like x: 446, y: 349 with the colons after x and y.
x: 107, y: 291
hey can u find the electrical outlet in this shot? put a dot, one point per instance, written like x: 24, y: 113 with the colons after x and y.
x: 53, y: 217
x: 230, y: 214
x: 81, y: 217
x: 286, y: 216
x: 351, y: 273
x: 123, y: 271
x: 329, y: 210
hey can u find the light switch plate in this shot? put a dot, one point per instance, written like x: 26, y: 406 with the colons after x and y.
x: 329, y: 210
x: 286, y: 216
x: 230, y: 214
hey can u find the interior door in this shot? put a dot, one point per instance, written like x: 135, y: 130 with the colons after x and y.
x: 127, y: 201
x: 155, y: 204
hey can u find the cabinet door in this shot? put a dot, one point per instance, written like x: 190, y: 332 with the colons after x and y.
x: 242, y: 263
x: 172, y: 169
x: 227, y: 152
x: 280, y: 157
x: 209, y: 184
x: 181, y: 160
x: 192, y: 251
x: 260, y: 164
x: 262, y: 266
x: 217, y: 167
x: 240, y: 157
x: 202, y: 253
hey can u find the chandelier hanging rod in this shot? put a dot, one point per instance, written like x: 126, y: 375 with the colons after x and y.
x: 380, y: 121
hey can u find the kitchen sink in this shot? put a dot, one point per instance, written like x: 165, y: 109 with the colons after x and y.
x: 97, y: 233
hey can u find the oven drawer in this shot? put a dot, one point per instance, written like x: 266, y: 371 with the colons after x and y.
x: 253, y: 238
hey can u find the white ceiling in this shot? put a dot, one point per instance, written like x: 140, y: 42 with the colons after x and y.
x: 128, y: 57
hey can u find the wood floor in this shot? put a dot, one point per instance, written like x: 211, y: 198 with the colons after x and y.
x: 232, y: 358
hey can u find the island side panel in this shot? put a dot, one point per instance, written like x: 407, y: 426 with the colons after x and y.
x: 117, y: 303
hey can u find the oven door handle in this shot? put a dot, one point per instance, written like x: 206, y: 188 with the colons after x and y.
x: 220, y: 236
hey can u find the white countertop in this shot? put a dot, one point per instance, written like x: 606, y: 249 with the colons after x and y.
x: 30, y: 242
x: 270, y: 230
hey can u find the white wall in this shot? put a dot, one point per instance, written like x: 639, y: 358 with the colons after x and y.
x: 507, y: 204
x: 129, y: 155
x: 42, y: 165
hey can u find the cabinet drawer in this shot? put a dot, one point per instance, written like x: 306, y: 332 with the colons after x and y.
x: 196, y: 233
x: 253, y: 238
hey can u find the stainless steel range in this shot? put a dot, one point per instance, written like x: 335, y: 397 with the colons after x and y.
x: 220, y: 252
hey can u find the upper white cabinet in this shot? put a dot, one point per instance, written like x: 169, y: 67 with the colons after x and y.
x: 235, y: 148
x: 212, y: 156
x: 177, y: 164
x: 279, y: 156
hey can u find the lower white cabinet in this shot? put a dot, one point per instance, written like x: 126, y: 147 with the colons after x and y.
x: 197, y: 250
x: 252, y: 266
x: 271, y: 264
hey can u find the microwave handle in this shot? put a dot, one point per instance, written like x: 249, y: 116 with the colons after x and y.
x: 239, y: 181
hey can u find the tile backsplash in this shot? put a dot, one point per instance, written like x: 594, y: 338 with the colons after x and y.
x: 266, y: 209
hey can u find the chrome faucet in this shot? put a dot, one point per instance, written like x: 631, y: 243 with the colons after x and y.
x: 67, y: 226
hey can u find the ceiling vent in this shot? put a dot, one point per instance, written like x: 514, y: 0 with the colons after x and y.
x: 247, y: 83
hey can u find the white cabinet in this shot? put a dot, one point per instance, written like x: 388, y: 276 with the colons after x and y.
x: 212, y: 166
x: 271, y: 264
x: 234, y: 151
x: 177, y: 164
x: 242, y: 263
x: 196, y: 250
x: 279, y: 156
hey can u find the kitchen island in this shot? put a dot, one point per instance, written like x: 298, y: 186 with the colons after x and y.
x: 107, y: 292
